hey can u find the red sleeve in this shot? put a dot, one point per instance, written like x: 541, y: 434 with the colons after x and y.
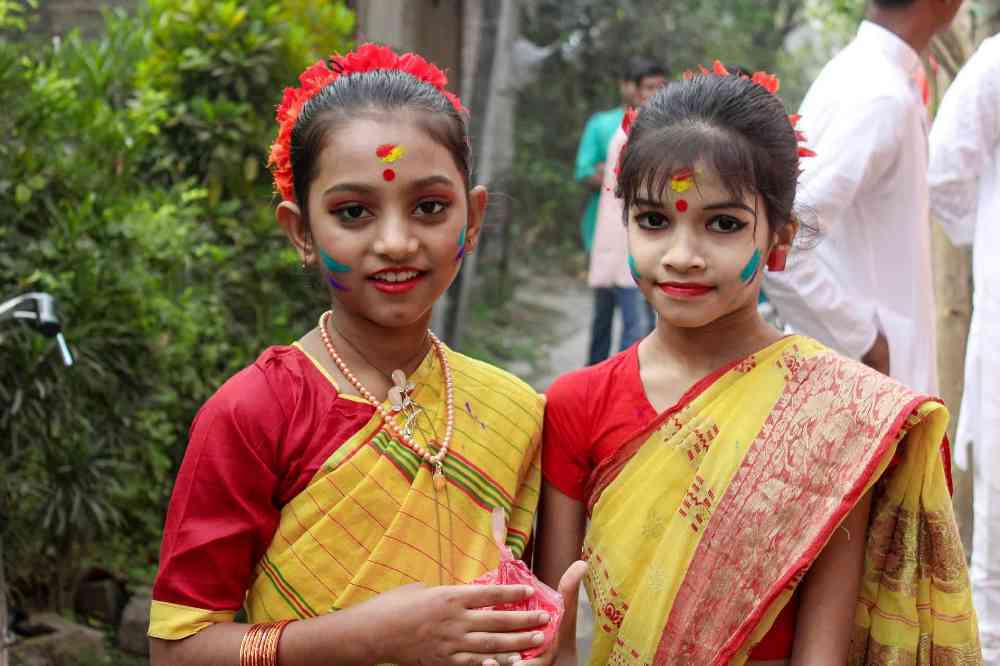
x: 566, y: 435
x: 223, y: 511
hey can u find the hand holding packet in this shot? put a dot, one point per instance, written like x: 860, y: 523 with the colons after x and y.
x: 515, y: 572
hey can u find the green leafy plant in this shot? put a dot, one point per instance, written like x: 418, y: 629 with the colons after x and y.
x: 133, y: 188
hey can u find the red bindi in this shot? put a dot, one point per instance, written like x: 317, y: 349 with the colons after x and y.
x: 681, y: 205
x: 389, y: 174
x: 384, y: 150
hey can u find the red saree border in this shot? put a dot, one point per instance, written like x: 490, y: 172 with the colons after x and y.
x: 607, y: 470
x: 731, y: 646
x: 839, y: 380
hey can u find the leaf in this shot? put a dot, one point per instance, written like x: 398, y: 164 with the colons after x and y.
x: 22, y: 193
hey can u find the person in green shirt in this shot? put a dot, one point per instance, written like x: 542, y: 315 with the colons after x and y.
x: 593, y: 151
x: 640, y: 80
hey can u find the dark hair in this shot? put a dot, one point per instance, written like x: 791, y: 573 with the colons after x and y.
x: 637, y: 68
x: 730, y: 124
x: 370, y: 95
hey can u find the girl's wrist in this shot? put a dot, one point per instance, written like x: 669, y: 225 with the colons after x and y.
x: 337, y: 638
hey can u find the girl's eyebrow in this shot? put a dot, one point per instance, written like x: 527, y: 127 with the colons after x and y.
x: 350, y: 187
x: 647, y: 203
x: 361, y: 188
x: 432, y: 180
x: 730, y: 204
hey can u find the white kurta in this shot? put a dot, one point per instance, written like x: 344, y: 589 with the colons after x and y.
x: 866, y: 189
x: 965, y: 197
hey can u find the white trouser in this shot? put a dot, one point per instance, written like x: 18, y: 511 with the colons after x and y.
x: 985, y: 568
x: 979, y: 430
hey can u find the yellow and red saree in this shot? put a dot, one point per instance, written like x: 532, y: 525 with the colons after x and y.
x: 702, y: 527
x: 370, y: 519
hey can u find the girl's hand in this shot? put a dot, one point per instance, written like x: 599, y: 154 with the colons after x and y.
x: 569, y: 588
x: 451, y: 625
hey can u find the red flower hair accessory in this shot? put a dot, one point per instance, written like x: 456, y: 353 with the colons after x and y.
x: 768, y: 82
x: 366, y: 58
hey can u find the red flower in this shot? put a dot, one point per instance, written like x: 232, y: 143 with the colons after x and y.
x: 719, y: 68
x: 794, y: 119
x: 630, y: 114
x: 767, y: 81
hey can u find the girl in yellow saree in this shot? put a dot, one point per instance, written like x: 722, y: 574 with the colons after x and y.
x: 340, y: 490
x: 792, y: 506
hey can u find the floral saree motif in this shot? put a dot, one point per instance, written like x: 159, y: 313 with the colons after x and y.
x: 702, y: 527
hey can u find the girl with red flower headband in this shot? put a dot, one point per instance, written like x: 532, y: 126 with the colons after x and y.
x: 752, y: 497
x: 332, y: 490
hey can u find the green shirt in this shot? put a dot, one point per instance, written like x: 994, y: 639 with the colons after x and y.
x: 592, y: 151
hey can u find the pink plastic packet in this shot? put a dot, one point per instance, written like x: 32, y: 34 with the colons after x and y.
x: 516, y: 572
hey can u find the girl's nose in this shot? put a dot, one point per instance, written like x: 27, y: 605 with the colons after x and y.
x: 683, y: 255
x: 395, y: 240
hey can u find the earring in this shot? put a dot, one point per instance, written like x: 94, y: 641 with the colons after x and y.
x: 776, y: 259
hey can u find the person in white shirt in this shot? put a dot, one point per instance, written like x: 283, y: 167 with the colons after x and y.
x: 866, y: 288
x: 964, y: 182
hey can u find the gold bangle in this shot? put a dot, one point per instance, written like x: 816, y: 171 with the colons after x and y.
x: 275, y: 637
x: 250, y: 646
x: 259, y: 646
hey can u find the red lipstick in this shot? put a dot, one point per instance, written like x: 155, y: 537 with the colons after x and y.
x: 684, y: 289
x: 397, y: 279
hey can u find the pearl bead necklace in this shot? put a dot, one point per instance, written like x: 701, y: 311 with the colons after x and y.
x: 436, y: 460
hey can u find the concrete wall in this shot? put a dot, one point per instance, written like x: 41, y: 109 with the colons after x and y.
x: 57, y: 17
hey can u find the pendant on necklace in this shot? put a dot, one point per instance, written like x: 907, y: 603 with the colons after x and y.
x: 399, y: 394
x: 401, y: 401
x: 438, y: 477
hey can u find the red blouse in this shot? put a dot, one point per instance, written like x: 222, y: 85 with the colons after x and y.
x: 592, y: 412
x: 254, y: 445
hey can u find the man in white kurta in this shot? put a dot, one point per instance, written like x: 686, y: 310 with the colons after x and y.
x: 965, y: 197
x: 868, y: 280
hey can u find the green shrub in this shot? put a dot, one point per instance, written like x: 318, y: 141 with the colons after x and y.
x: 133, y: 188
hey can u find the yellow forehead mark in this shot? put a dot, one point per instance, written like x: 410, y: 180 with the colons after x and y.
x: 682, y: 180
x: 389, y: 153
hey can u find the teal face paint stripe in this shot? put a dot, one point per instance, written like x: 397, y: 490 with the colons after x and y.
x: 461, y: 245
x: 750, y: 269
x: 332, y: 264
x: 633, y: 268
x: 461, y: 237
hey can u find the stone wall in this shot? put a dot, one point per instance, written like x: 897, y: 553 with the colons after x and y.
x: 57, y: 17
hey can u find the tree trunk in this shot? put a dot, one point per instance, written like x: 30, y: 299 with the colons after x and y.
x: 490, y: 82
x: 952, y: 286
